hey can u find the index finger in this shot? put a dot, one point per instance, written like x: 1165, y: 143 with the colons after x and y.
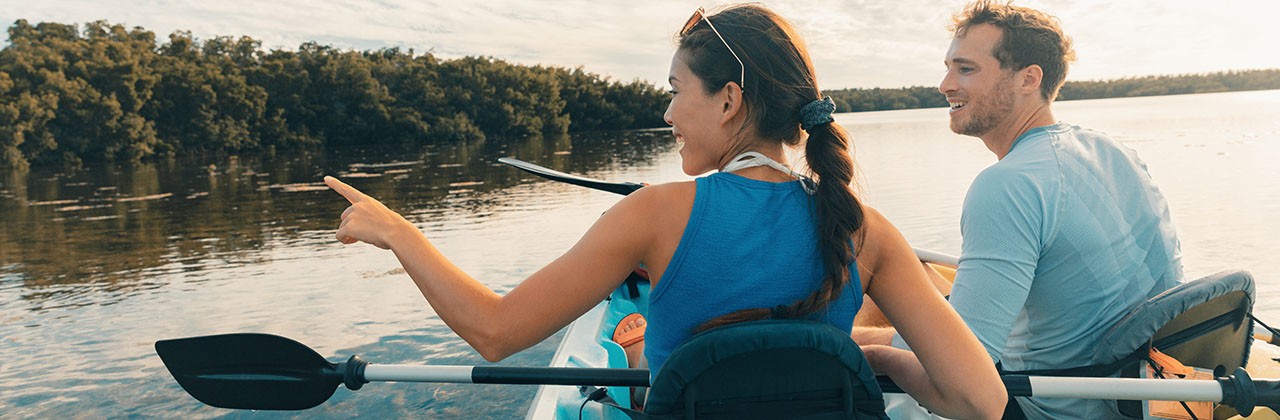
x: 350, y: 193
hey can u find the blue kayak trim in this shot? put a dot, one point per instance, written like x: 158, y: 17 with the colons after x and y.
x: 588, y: 342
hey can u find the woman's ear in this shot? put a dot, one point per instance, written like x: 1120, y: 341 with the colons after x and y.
x: 731, y: 96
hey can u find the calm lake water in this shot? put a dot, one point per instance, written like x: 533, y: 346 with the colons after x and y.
x: 98, y: 264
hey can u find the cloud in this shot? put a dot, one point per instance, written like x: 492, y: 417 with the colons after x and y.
x: 862, y: 43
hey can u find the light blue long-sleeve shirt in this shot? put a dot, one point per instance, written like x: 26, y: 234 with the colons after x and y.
x: 1061, y: 238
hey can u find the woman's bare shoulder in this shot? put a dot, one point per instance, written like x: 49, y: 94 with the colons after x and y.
x: 658, y: 197
x: 655, y: 202
x: 875, y: 235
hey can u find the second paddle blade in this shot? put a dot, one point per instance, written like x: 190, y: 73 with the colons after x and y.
x: 250, y: 371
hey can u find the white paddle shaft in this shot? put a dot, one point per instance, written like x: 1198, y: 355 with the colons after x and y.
x: 1126, y: 389
x: 1041, y: 386
x: 937, y: 257
x: 414, y: 373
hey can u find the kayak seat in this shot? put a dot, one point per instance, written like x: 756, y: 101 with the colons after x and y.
x: 767, y: 369
x: 1202, y: 323
x: 1215, y: 333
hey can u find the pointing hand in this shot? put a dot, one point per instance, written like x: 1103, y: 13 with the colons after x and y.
x: 367, y: 220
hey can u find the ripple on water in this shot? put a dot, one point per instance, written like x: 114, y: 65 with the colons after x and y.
x: 99, y: 218
x: 52, y: 202
x: 82, y: 207
x: 150, y: 197
x: 359, y: 175
x: 296, y: 187
x: 362, y: 165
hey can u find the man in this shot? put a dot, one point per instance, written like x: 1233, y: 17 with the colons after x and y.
x: 1066, y: 232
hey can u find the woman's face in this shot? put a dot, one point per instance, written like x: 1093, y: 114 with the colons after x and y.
x: 697, y: 120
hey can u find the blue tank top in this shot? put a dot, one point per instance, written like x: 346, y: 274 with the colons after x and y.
x: 748, y: 244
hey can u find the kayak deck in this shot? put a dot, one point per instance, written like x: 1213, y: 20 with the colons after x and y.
x: 588, y: 342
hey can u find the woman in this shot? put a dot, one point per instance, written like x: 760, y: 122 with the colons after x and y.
x: 753, y: 241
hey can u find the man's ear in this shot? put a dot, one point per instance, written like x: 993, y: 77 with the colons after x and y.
x: 731, y: 97
x: 1032, y: 78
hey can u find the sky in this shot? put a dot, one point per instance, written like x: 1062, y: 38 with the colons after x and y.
x: 854, y: 43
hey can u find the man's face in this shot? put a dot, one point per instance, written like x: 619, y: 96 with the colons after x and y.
x: 981, y: 94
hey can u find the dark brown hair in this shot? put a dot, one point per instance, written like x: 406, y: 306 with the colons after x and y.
x: 779, y: 80
x: 1030, y: 37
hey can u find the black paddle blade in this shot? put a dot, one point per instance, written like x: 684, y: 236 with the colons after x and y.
x: 622, y: 188
x: 250, y: 371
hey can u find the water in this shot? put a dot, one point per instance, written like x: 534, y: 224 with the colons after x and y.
x: 98, y: 264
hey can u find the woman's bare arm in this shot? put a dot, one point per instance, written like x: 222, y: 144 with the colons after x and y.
x: 949, y: 371
x: 495, y: 325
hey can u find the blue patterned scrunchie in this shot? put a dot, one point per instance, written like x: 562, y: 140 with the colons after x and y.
x: 817, y: 113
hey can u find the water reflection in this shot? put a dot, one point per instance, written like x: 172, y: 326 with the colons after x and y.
x: 100, y: 262
x: 114, y: 226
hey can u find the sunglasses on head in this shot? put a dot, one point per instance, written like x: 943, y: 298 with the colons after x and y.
x: 700, y: 15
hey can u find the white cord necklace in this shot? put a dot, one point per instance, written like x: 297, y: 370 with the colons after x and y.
x: 753, y: 159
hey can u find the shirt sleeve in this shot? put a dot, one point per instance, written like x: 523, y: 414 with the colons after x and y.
x: 1001, y: 229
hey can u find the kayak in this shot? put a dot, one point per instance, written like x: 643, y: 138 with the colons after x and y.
x: 588, y: 342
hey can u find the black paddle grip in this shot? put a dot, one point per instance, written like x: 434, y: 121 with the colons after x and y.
x: 559, y: 376
x: 1240, y: 392
x: 353, y: 372
x: 1268, y: 392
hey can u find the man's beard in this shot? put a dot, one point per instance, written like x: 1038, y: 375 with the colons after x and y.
x: 989, y: 111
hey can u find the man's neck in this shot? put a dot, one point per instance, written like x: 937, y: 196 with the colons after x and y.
x: 1000, y: 139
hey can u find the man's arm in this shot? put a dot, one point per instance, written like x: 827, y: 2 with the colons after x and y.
x: 866, y: 336
x: 1001, y: 230
x: 1001, y: 226
x: 872, y: 327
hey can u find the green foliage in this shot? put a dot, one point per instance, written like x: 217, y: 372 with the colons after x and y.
x: 602, y: 104
x: 71, y: 94
x: 102, y: 91
x: 877, y: 99
x: 1172, y: 85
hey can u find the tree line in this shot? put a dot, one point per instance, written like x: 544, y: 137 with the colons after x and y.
x: 70, y: 93
x: 101, y: 91
x: 879, y: 99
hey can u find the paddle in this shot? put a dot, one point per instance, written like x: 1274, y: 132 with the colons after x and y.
x: 1266, y: 335
x: 268, y: 372
x: 622, y: 188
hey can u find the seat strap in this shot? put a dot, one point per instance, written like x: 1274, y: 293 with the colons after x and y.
x: 1160, y: 364
x: 1091, y: 371
x: 633, y: 283
x: 600, y: 395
